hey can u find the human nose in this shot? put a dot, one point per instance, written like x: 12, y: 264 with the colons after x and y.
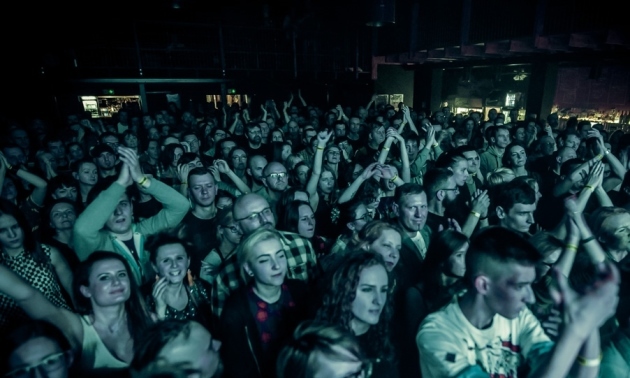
x: 12, y: 233
x: 529, y: 296
x: 118, y: 210
x: 530, y: 218
x: 379, y: 298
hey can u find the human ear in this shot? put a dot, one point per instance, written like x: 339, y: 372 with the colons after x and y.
x: 350, y: 225
x: 248, y: 270
x: 85, y: 291
x: 500, y: 212
x: 482, y: 284
x: 395, y: 208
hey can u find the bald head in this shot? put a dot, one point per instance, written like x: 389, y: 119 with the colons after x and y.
x: 256, y: 164
x: 252, y: 212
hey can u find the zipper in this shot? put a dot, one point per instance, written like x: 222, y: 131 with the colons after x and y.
x: 251, y: 349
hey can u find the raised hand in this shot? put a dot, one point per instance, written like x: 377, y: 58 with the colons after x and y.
x: 386, y: 172
x: 159, y: 288
x: 130, y: 158
x: 182, y: 172
x: 222, y: 166
x: 589, y: 310
x: 323, y: 137
x: 481, y: 202
x: 369, y: 171
x: 596, y: 175
x: 215, y: 173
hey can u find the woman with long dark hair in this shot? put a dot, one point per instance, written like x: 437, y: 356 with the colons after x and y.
x: 40, y: 265
x: 358, y: 300
x: 441, y: 278
x: 110, y: 312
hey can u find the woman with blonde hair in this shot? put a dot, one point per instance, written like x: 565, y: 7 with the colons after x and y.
x: 258, y: 318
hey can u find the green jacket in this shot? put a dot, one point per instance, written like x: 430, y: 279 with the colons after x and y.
x: 89, y: 234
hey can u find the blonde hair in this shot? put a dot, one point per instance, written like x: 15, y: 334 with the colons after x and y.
x: 246, y: 247
x: 500, y: 176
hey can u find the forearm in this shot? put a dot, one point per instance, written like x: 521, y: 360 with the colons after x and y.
x: 32, y: 179
x: 561, y: 358
x: 233, y: 126
x: 240, y: 185
x: 385, y: 150
x: 602, y: 197
x: 93, y: 218
x: 404, y: 157
x: 183, y: 189
x: 615, y: 165
x: 469, y: 226
x: 349, y: 193
x: 591, y: 352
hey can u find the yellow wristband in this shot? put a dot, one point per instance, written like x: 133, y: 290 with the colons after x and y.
x: 589, y: 187
x: 320, y: 148
x: 571, y: 247
x: 393, y: 178
x: 143, y: 181
x: 478, y: 215
x: 589, y: 362
x: 385, y: 148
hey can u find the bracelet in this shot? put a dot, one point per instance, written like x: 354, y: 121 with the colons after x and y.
x: 143, y: 181
x: 385, y: 148
x: 184, y: 183
x: 599, y: 157
x: 483, y: 218
x: 320, y: 148
x: 435, y: 144
x: 571, y: 247
x: 589, y: 239
x: 478, y: 215
x: 589, y: 187
x: 393, y: 178
x: 589, y: 362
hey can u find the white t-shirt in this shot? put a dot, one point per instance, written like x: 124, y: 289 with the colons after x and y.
x: 450, y: 346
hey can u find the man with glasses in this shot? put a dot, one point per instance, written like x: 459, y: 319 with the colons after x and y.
x: 276, y: 180
x: 442, y: 190
x: 252, y: 212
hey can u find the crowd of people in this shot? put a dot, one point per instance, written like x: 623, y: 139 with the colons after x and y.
x: 374, y: 241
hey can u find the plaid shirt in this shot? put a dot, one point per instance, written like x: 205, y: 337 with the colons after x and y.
x: 301, y: 263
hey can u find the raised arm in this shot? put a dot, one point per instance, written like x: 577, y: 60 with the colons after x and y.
x: 301, y: 98
x: 407, y: 118
x: 37, y: 306
x: 174, y: 205
x: 340, y: 114
x: 388, y: 142
x: 372, y: 100
x: 349, y: 193
x: 478, y: 212
x: 311, y: 186
x: 40, y: 185
x: 223, y: 167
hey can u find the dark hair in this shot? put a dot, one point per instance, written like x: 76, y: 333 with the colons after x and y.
x: 291, y: 216
x: 490, y: 246
x: 188, y: 157
x: 442, y: 246
x: 348, y: 214
x: 435, y: 180
x: 30, y: 243
x: 405, y: 190
x: 286, y: 198
x: 62, y: 180
x: 293, y: 175
x: 298, y: 358
x: 138, y: 318
x: 155, y: 241
x: 168, y: 154
x: 199, y: 171
x: 449, y: 159
x: 506, y: 158
x: 513, y: 192
x: 76, y: 165
x: 147, y: 347
x: 105, y: 135
x: 337, y: 304
x: 32, y: 329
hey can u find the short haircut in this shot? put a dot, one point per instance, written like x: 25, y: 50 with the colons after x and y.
x: 494, y: 246
x: 149, y: 346
x: 449, y: 159
x: 251, y: 125
x: 406, y: 190
x: 62, y: 181
x: 155, y: 241
x: 298, y: 358
x: 199, y: 171
x: 435, y: 180
x: 513, y: 192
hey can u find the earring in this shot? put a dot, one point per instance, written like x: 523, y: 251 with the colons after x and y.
x: 251, y: 274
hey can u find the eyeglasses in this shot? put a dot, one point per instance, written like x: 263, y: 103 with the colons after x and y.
x: 241, y: 157
x: 455, y: 189
x: 277, y: 175
x: 365, y: 217
x: 266, y: 213
x: 48, y: 364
